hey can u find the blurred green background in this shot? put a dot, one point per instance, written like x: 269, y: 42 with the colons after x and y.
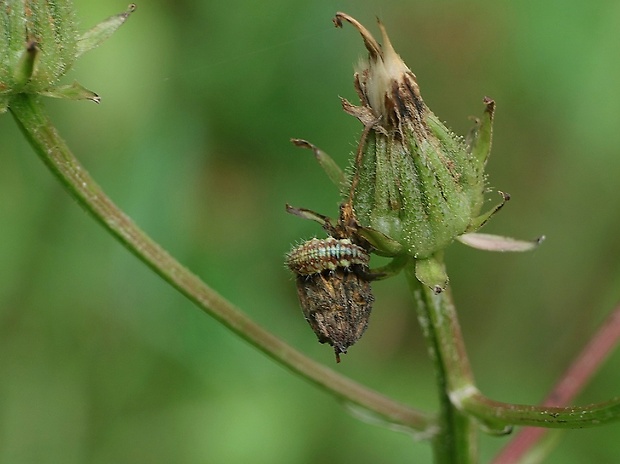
x: 102, y: 362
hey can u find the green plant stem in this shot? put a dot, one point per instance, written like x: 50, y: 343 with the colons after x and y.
x: 572, y: 382
x: 438, y: 316
x: 463, y: 407
x: 457, y: 440
x: 34, y: 123
x: 498, y: 413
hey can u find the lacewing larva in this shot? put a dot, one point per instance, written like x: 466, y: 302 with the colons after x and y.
x: 318, y: 255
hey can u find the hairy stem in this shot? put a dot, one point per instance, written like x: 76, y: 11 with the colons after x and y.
x: 495, y: 416
x: 497, y: 413
x: 463, y: 407
x: 34, y: 123
x: 457, y: 441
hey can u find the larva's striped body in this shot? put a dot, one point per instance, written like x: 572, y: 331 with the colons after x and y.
x: 318, y: 255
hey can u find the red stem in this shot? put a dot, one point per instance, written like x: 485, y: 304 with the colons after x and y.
x: 571, y: 383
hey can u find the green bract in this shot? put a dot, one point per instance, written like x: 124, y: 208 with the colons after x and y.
x: 39, y: 43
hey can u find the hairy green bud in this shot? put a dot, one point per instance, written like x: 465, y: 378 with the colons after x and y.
x: 39, y: 43
x: 416, y: 185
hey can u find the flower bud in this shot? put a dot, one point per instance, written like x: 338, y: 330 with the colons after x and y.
x: 416, y: 186
x: 39, y: 43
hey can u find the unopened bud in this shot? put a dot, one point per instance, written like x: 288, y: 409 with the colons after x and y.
x: 39, y: 43
x: 416, y: 186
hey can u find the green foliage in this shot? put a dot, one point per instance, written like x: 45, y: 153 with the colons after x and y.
x: 95, y: 366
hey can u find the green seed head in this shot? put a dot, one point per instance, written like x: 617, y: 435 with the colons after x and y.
x: 39, y: 43
x: 416, y: 186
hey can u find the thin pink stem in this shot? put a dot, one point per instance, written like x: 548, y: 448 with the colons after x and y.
x: 570, y: 385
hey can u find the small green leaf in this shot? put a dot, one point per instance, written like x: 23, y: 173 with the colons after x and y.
x: 98, y: 34
x: 389, y: 270
x: 71, y: 92
x: 432, y: 273
x: 384, y: 245
x: 480, y: 137
x: 481, y: 220
x: 333, y: 171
